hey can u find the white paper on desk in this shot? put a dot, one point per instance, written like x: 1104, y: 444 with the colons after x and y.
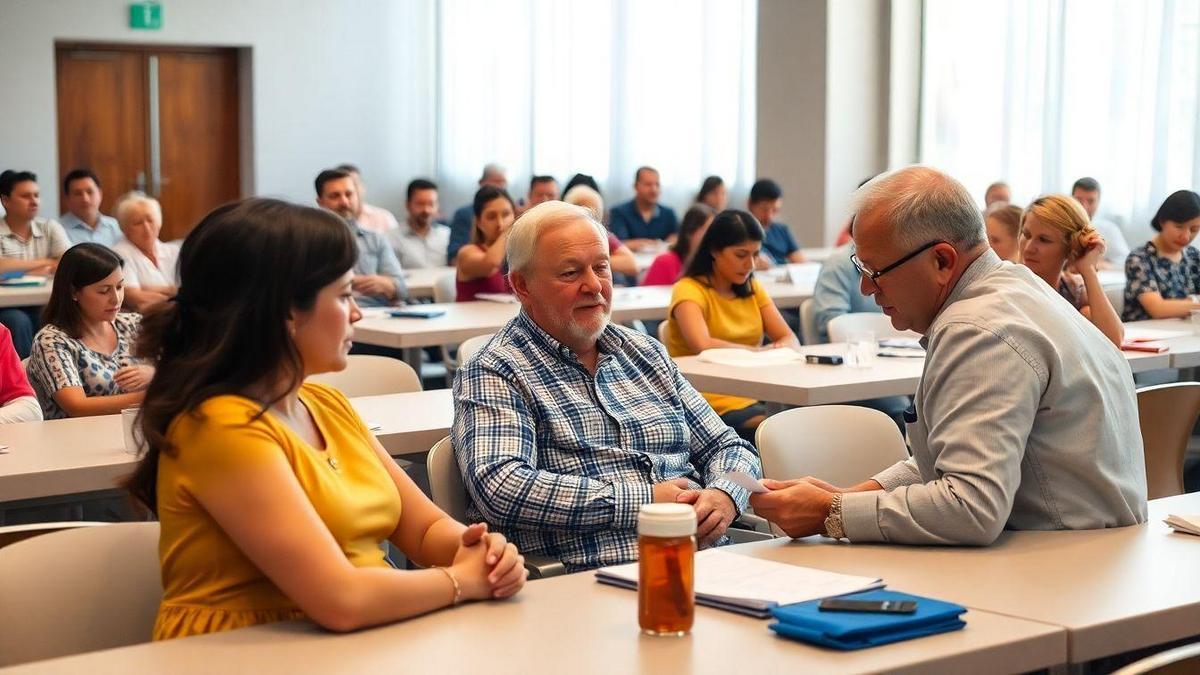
x: 1139, y: 334
x: 506, y: 298
x: 745, y: 480
x: 1184, y: 524
x: 745, y: 358
x: 901, y: 353
x: 902, y: 343
x: 740, y: 580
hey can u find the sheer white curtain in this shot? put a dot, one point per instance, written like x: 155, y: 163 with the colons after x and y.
x: 598, y: 87
x: 1042, y: 92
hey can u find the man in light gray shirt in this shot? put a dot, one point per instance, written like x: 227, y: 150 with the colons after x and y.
x: 1086, y: 191
x: 1025, y: 416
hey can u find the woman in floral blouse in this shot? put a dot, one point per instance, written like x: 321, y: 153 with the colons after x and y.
x: 1162, y: 277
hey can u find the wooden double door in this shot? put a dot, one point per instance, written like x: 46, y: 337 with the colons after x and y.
x: 162, y: 120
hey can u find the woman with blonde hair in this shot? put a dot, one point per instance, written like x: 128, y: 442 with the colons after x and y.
x: 1059, y: 244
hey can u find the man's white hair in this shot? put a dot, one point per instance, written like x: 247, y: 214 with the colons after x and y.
x: 523, y: 238
x: 127, y: 201
x: 582, y: 195
x: 922, y: 204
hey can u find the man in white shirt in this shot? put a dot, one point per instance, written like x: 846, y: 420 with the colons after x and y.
x: 27, y: 244
x: 367, y: 216
x: 1086, y: 191
x: 421, y: 240
x: 83, y: 220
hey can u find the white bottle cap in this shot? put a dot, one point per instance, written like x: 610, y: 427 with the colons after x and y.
x: 666, y: 520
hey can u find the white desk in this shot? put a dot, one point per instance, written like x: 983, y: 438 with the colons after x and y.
x: 1185, y: 350
x: 1113, y: 590
x: 809, y: 384
x: 85, y: 454
x: 420, y: 281
x: 24, y: 296
x: 569, y: 624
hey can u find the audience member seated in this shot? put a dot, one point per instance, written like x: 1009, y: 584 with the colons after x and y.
x: 541, y: 189
x: 1086, y: 191
x: 1162, y: 277
x: 642, y: 223
x: 480, y: 265
x: 367, y: 216
x: 582, y: 179
x: 668, y: 265
x: 150, y: 274
x: 565, y: 424
x: 378, y: 277
x: 27, y: 244
x: 997, y: 192
x: 1005, y: 432
x: 719, y: 303
x: 779, y: 246
x: 83, y: 220
x: 1059, y: 244
x: 82, y: 362
x: 273, y: 496
x: 421, y: 240
x: 18, y: 403
x: 713, y: 194
x: 621, y: 259
x: 1003, y: 223
x: 463, y: 222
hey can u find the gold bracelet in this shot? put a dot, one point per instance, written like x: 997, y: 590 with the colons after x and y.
x: 457, y: 588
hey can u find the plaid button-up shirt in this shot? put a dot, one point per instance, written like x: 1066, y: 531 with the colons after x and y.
x: 561, y: 461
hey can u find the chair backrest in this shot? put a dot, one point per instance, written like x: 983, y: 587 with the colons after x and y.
x: 446, y: 486
x: 808, y: 322
x: 445, y: 289
x: 368, y: 375
x: 1167, y: 413
x: 1183, y: 660
x: 468, y: 348
x: 662, y: 330
x: 879, y: 324
x: 840, y: 444
x: 78, y: 590
x: 11, y: 534
x: 1116, y: 296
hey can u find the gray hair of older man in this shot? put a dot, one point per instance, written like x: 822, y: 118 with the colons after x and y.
x: 522, y: 242
x: 134, y: 198
x: 922, y: 205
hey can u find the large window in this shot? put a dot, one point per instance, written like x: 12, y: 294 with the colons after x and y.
x: 598, y: 87
x: 1041, y: 92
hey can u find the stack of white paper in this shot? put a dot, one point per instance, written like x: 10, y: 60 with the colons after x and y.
x: 748, y: 585
x: 748, y: 358
x: 1184, y: 524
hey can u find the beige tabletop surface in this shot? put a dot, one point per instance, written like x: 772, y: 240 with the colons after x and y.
x: 570, y: 624
x: 24, y: 296
x: 1185, y: 349
x: 421, y: 280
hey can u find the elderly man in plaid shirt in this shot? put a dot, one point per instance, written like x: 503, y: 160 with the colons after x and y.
x: 565, y: 424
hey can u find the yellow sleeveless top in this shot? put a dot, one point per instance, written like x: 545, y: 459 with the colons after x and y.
x: 208, y: 584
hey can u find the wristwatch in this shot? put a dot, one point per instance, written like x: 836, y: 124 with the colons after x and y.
x: 833, y: 521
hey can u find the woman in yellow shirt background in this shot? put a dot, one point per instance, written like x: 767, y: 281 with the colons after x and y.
x: 273, y: 496
x: 718, y: 303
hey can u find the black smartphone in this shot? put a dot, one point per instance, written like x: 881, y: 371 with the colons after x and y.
x: 876, y: 606
x: 833, y: 360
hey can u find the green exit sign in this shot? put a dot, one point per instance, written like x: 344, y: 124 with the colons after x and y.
x: 145, y: 16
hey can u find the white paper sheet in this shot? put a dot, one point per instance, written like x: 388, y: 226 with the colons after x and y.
x: 744, y: 358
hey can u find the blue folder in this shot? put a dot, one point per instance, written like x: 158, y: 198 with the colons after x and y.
x: 856, y: 630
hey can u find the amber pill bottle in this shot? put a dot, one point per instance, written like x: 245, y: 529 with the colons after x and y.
x: 666, y: 547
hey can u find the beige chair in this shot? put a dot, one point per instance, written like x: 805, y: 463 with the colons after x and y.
x: 1183, y: 660
x: 1167, y: 413
x: 808, y: 322
x: 662, y: 331
x: 1116, y: 296
x: 468, y: 348
x: 367, y: 375
x: 78, y: 590
x: 11, y: 534
x: 879, y: 324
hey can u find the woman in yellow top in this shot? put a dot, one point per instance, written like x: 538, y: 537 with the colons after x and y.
x: 718, y: 303
x: 273, y: 496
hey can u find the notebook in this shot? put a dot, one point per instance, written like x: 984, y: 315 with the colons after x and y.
x: 856, y: 630
x: 745, y: 358
x: 24, y: 280
x: 1184, y: 524
x: 750, y: 586
x: 1144, y: 346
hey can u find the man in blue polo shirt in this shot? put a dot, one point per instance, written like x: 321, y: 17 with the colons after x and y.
x: 643, y: 223
x: 779, y: 246
x: 83, y: 220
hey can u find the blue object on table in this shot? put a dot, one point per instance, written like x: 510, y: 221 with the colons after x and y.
x: 856, y: 630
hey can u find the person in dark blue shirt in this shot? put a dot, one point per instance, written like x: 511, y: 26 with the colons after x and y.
x: 643, y: 223
x: 779, y: 246
x: 464, y: 218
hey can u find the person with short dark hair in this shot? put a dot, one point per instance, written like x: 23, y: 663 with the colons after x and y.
x: 82, y: 362
x: 668, y: 266
x: 541, y: 189
x: 82, y: 219
x: 370, y: 217
x: 642, y: 222
x: 462, y: 225
x: 718, y: 303
x: 421, y: 241
x: 1086, y: 191
x: 1162, y: 277
x: 27, y: 244
x: 378, y: 277
x: 779, y: 246
x: 582, y: 179
x: 713, y: 194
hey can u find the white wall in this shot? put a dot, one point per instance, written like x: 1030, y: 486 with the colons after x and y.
x: 331, y: 82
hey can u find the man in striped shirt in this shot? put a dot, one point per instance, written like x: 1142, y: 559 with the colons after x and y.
x: 28, y: 244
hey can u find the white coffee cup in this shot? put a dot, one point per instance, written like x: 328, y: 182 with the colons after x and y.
x: 134, y: 440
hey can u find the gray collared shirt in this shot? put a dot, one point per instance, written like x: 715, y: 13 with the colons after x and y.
x: 417, y: 251
x: 375, y: 256
x: 107, y: 231
x: 1025, y: 418
x: 47, y: 239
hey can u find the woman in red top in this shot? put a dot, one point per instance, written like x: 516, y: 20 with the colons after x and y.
x: 480, y: 263
x: 667, y: 267
x: 17, y: 402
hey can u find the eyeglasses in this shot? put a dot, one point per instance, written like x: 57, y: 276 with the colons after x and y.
x: 873, y: 275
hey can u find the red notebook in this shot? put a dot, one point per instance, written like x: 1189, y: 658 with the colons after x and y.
x: 1144, y: 346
